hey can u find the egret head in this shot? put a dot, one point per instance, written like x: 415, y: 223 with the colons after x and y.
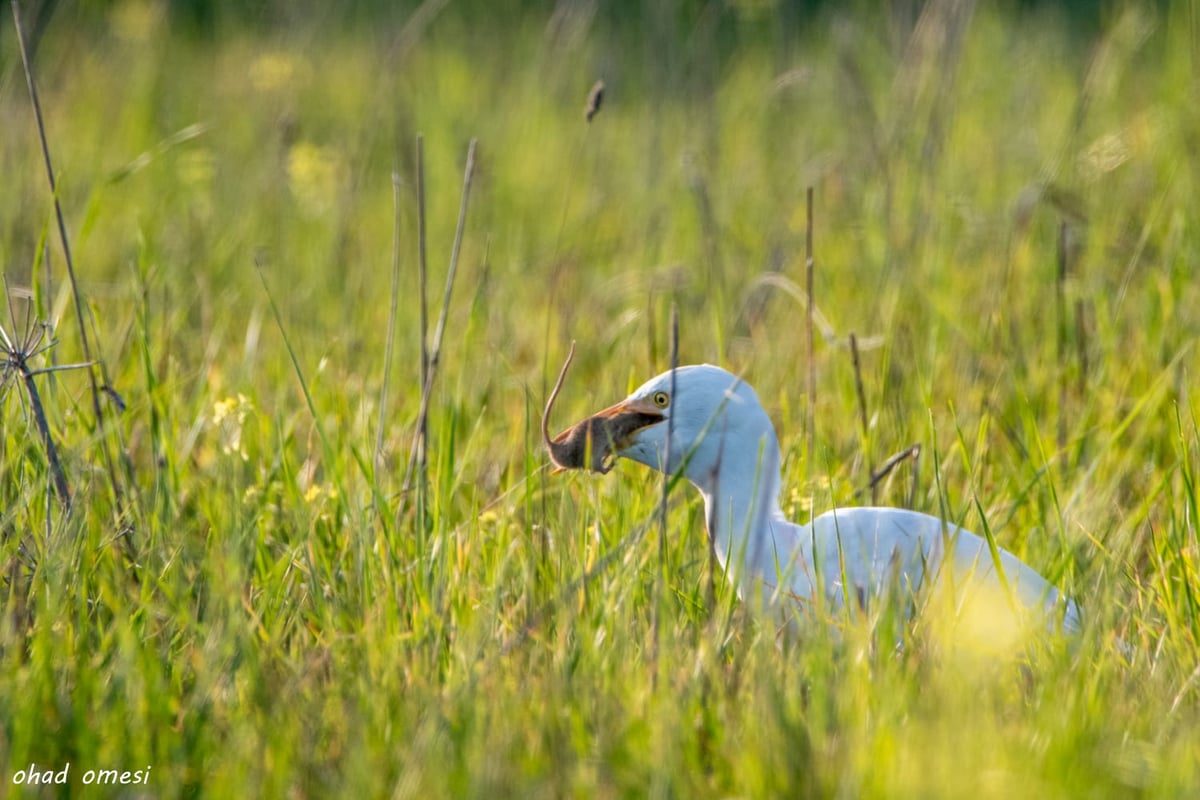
x: 712, y: 416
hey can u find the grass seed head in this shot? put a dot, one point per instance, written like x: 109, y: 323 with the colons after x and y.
x: 595, y: 98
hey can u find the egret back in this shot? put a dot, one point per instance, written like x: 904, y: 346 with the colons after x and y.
x: 860, y: 555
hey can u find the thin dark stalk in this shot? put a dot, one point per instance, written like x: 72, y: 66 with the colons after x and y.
x: 419, y: 443
x: 468, y: 175
x: 666, y: 487
x: 595, y: 98
x: 812, y: 370
x: 422, y: 281
x: 1060, y: 304
x: 862, y: 410
x: 391, y: 330
x: 885, y: 469
x: 49, y: 508
x: 662, y: 542
x: 97, y: 406
x: 61, y: 487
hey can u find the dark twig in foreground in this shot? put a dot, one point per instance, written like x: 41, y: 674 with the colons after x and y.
x: 666, y: 489
x: 92, y: 364
x: 662, y: 542
x: 419, y: 441
x: 885, y: 469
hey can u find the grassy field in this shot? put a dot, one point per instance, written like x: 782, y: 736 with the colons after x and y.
x: 247, y: 602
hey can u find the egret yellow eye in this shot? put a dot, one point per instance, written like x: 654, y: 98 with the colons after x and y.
x: 661, y: 399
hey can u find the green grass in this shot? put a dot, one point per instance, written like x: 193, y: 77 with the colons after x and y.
x: 293, y: 626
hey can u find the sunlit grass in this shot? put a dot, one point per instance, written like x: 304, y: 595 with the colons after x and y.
x: 293, y: 627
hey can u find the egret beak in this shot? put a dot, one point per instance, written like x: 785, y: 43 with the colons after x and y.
x: 595, y: 443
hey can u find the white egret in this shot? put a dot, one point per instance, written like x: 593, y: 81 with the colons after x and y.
x: 725, y: 445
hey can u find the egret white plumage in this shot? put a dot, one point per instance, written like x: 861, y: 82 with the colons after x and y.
x: 724, y: 443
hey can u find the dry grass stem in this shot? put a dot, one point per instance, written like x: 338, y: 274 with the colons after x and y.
x: 85, y: 341
x: 911, y: 452
x: 420, y: 441
x: 666, y: 485
x: 595, y: 98
x: 670, y: 430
